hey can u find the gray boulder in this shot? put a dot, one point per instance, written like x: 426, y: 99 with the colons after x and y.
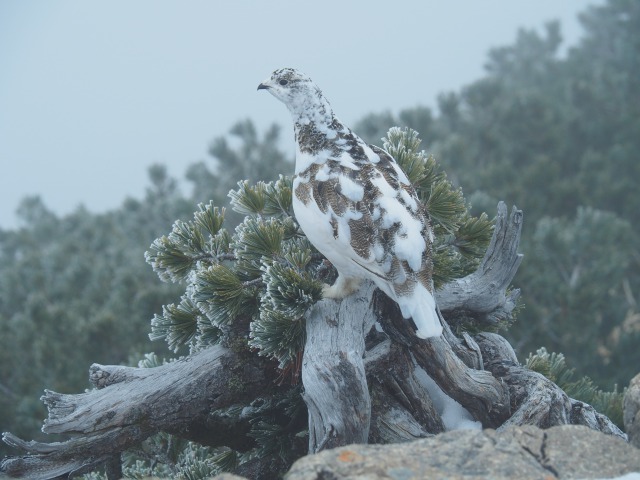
x: 567, y: 451
x: 632, y: 411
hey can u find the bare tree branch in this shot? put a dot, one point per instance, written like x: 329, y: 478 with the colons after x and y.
x: 536, y: 400
x: 483, y: 294
x: 333, y: 371
x: 135, y: 403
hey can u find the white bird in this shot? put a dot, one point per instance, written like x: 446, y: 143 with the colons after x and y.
x: 356, y: 205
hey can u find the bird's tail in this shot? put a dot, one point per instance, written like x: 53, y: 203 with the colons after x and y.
x: 421, y: 307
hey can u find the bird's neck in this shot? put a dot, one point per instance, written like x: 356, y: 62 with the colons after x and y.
x: 318, y: 141
x: 312, y: 109
x: 317, y: 130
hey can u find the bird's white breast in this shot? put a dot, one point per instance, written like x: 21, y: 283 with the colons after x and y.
x: 327, y: 232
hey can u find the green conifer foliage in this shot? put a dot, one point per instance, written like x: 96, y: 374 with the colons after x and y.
x: 264, y: 271
x: 554, y: 367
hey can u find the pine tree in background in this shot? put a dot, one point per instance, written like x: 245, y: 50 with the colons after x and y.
x: 242, y: 155
x: 75, y: 290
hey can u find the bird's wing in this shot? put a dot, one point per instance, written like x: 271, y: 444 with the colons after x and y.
x: 377, y: 220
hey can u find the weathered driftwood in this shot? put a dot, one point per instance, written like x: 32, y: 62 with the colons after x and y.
x: 536, y: 400
x: 402, y: 410
x: 476, y: 390
x: 483, y: 294
x: 360, y: 383
x: 133, y: 404
x: 333, y: 363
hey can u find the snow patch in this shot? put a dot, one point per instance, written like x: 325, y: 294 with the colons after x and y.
x: 454, y: 416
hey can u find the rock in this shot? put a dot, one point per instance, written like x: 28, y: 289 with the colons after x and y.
x: 228, y: 476
x: 567, y: 451
x: 631, y: 408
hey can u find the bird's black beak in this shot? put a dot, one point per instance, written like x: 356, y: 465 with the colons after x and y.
x: 262, y: 86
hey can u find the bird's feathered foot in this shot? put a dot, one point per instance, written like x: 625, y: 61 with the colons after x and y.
x: 341, y: 288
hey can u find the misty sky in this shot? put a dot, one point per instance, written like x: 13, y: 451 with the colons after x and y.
x: 92, y: 93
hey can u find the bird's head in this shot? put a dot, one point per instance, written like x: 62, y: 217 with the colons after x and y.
x: 297, y: 91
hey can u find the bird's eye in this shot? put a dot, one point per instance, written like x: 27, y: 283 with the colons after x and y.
x: 283, y: 82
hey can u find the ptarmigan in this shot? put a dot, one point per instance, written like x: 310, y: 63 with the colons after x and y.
x: 357, y: 206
